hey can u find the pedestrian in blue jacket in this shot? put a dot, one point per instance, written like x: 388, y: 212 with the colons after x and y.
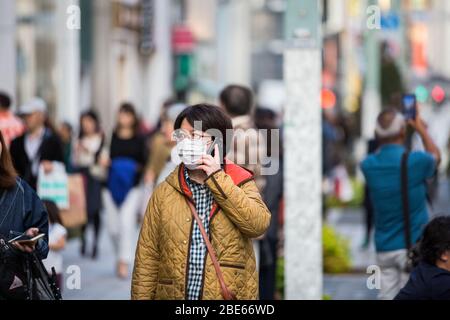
x: 21, y: 211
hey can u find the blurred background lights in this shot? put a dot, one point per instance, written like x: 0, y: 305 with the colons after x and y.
x: 438, y: 94
x: 422, y: 94
x: 328, y: 99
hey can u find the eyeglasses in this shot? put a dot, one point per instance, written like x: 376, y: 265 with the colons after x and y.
x: 180, y: 135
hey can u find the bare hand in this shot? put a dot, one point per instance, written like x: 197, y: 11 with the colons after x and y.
x: 104, y: 161
x: 48, y: 166
x: 209, y: 164
x: 418, y: 124
x: 27, y: 247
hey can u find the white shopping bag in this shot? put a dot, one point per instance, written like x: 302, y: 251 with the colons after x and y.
x: 343, y: 184
x: 54, y: 185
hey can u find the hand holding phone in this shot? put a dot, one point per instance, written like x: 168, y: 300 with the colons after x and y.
x: 27, y: 241
x: 209, y: 163
x: 30, y: 241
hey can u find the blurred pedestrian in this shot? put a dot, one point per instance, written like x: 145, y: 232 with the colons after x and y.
x: 161, y: 153
x: 168, y: 123
x: 248, y: 144
x: 372, y: 147
x: 266, y: 119
x: 383, y: 173
x: 122, y: 198
x: 57, y: 236
x: 247, y: 147
x: 159, y: 148
x: 65, y: 132
x: 11, y: 126
x: 21, y: 211
x: 39, y: 145
x: 430, y: 280
x: 206, y: 197
x: 88, y: 153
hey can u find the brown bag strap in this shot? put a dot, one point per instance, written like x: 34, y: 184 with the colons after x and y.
x: 227, y: 294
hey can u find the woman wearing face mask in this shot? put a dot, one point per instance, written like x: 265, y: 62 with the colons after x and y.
x: 121, y: 198
x: 173, y: 260
x: 21, y: 211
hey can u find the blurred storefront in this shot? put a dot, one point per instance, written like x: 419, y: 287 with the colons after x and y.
x: 47, y: 56
x: 131, y: 56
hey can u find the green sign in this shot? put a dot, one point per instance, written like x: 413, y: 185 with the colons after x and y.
x: 302, y: 23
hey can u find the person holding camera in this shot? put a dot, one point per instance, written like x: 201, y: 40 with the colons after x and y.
x: 383, y: 173
x: 21, y: 214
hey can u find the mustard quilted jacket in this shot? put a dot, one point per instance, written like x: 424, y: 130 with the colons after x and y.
x: 162, y: 254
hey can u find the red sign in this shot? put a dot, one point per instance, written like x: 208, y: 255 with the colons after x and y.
x: 182, y: 39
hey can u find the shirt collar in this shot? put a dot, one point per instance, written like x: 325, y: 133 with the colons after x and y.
x: 191, y: 183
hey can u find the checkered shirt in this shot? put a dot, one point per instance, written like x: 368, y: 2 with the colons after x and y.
x: 203, y: 200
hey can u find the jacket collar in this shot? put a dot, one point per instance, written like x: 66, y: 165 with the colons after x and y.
x: 238, y: 174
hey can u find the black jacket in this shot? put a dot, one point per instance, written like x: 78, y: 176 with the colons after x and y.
x: 51, y: 149
x: 427, y: 282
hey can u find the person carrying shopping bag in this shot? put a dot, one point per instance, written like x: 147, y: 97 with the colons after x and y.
x: 196, y: 239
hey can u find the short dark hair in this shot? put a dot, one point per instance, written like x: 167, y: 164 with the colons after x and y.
x: 211, y: 117
x: 435, y: 240
x: 5, y: 100
x: 237, y: 100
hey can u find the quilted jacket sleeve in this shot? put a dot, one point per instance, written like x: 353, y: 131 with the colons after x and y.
x: 243, y: 205
x: 144, y: 281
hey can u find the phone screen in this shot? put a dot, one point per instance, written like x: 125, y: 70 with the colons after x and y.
x: 409, y: 106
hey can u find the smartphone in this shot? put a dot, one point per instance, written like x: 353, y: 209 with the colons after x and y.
x: 23, y: 239
x: 217, y: 141
x: 409, y: 105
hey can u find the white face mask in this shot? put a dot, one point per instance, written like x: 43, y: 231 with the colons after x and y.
x: 190, y: 151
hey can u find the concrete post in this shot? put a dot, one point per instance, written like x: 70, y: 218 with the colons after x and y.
x: 303, y: 143
x: 8, y: 47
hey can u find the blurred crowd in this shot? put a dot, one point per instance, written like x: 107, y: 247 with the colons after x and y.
x: 121, y: 169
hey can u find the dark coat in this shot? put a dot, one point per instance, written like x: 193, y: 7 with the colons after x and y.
x: 51, y: 149
x: 20, y: 210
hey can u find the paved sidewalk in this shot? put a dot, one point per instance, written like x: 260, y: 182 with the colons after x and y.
x: 98, y: 278
x: 349, y: 223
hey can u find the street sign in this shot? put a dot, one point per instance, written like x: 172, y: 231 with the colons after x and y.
x: 302, y: 24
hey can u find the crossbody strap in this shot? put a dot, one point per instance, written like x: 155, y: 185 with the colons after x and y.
x: 226, y: 293
x: 405, y: 200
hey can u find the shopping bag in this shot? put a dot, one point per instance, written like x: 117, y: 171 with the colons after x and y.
x: 53, y: 185
x: 343, y: 188
x: 76, y: 215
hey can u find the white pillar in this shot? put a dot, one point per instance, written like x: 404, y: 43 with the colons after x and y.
x: 234, y: 42
x: 303, y: 175
x: 159, y: 72
x: 303, y: 152
x: 101, y: 93
x: 67, y: 65
x: 8, y: 47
